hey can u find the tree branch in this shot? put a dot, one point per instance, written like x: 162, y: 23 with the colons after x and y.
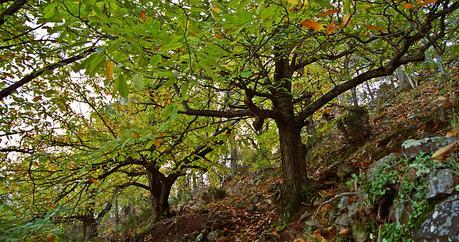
x: 399, y: 59
x: 16, y: 6
x: 10, y: 89
x: 218, y: 113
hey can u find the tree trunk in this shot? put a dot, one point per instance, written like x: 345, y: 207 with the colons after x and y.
x: 117, y: 216
x: 233, y: 160
x: 293, y: 153
x: 89, y: 228
x: 370, y: 92
x: 160, y: 188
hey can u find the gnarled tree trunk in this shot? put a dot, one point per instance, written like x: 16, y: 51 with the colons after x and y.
x: 160, y: 188
x: 293, y: 152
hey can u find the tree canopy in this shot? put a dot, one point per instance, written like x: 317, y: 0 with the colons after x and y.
x: 99, y: 96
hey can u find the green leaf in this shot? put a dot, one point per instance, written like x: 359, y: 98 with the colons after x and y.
x: 324, y: 3
x: 122, y: 86
x: 246, y: 74
x: 155, y: 59
x: 50, y: 11
x: 137, y: 79
x: 347, y: 6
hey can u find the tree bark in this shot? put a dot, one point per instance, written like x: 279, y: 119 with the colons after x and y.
x: 89, y: 228
x: 293, y: 153
x: 233, y: 160
x: 160, y: 188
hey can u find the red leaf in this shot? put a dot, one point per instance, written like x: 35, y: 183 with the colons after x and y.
x: 312, y: 25
x: 408, y: 5
x: 143, y: 16
x: 328, y: 12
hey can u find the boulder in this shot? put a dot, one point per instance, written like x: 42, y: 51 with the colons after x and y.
x: 376, y: 166
x: 442, y: 182
x: 411, y: 147
x: 442, y: 224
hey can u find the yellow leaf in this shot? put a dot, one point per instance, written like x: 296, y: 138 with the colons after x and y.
x: 346, y: 20
x: 408, y: 5
x: 157, y: 143
x: 312, y: 25
x: 328, y: 12
x: 215, y: 9
x: 218, y: 36
x: 374, y: 27
x: 92, y: 180
x: 296, y: 5
x: 109, y: 70
x: 143, y: 16
x: 425, y: 2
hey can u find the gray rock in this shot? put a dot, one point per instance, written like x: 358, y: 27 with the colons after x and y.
x: 312, y: 223
x: 199, y: 237
x: 411, y: 147
x: 343, y: 203
x: 442, y: 224
x: 441, y: 182
x: 343, y: 220
x: 379, y: 164
x: 344, y: 170
x: 214, y: 235
x: 399, y: 213
x: 353, y: 209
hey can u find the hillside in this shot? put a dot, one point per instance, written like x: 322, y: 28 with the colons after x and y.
x: 250, y: 209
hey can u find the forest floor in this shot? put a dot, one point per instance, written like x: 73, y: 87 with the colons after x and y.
x: 250, y: 210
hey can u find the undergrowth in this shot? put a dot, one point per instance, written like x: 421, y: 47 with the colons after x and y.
x: 410, y: 206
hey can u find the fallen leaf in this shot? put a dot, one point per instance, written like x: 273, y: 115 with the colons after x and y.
x: 453, y: 133
x: 318, y: 236
x: 328, y: 12
x: 327, y: 207
x: 276, y: 234
x: 312, y: 25
x: 344, y: 231
x: 444, y: 152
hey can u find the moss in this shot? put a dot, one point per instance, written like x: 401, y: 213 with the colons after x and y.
x: 355, y: 125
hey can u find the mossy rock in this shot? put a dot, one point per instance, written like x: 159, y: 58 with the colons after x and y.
x: 355, y: 125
